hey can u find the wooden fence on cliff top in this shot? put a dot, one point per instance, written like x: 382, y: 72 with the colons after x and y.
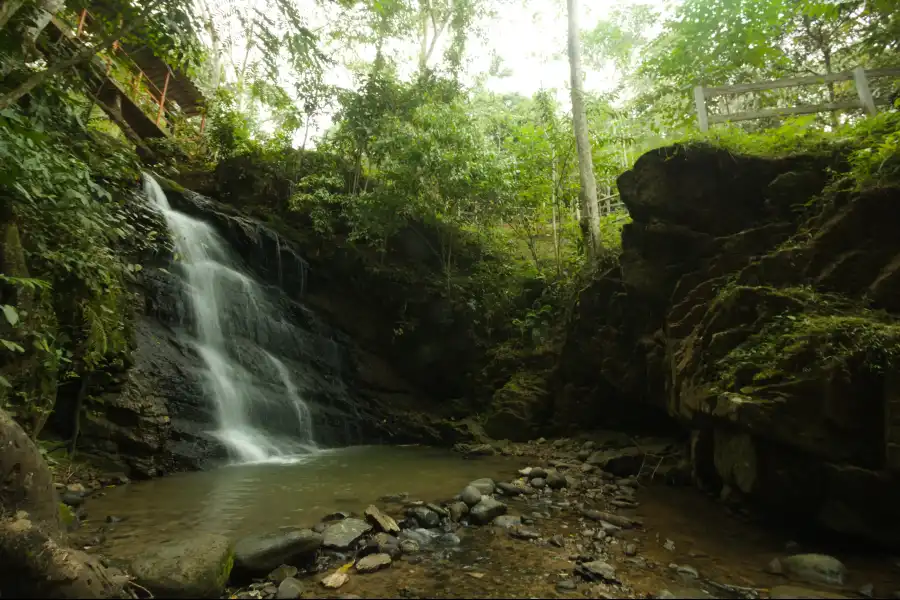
x: 859, y: 76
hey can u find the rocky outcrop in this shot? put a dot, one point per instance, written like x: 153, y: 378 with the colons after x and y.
x: 757, y: 312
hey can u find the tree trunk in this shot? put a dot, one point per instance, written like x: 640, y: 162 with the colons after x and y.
x: 590, y: 219
x: 85, y: 54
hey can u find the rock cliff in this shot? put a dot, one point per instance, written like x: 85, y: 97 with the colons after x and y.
x: 758, y: 311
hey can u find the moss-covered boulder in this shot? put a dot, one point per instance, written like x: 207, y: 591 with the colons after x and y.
x: 517, y: 407
x: 194, y: 568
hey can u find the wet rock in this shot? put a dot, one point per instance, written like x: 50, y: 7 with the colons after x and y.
x: 618, y: 520
x: 458, y: 510
x: 320, y: 527
x: 395, y: 498
x: 629, y: 550
x: 425, y: 517
x: 566, y: 585
x: 785, y: 592
x: 260, y: 554
x: 387, y: 544
x: 538, y: 473
x: 76, y: 488
x: 422, y: 537
x: 343, y: 534
x: 271, y: 591
x: 409, y: 546
x: 487, y: 510
x: 372, y: 563
x: 474, y: 449
x: 281, y: 573
x: 335, y: 516
x: 538, y: 483
x: 381, y: 521
x: 197, y: 567
x: 558, y: 541
x: 471, y: 495
x: 867, y: 590
x: 811, y: 568
x: 439, y: 510
x: 556, y: 480
x: 520, y: 532
x: 335, y: 580
x: 685, y: 570
x: 597, y: 570
x: 72, y: 499
x: 289, y: 588
x: 484, y: 485
x: 447, y: 539
x: 669, y: 545
x: 510, y: 489
x: 506, y: 521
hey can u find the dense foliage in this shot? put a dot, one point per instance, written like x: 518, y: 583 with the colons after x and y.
x: 413, y: 141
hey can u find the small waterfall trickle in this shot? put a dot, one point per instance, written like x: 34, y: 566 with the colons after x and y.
x: 232, y: 317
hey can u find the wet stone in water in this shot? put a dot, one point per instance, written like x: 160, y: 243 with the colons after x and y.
x: 373, y: 562
x: 471, y: 495
x: 289, y: 588
x: 281, y: 573
x: 425, y: 517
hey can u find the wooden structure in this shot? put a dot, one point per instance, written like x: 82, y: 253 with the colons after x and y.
x: 859, y: 76
x: 168, y: 89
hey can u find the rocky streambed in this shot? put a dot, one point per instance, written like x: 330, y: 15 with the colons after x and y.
x: 587, y: 517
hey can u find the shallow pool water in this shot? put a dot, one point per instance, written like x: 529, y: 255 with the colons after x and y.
x: 254, y: 498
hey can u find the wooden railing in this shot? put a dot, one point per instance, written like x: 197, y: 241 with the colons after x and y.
x: 859, y: 76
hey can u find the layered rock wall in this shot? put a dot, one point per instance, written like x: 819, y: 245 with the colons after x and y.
x: 759, y: 313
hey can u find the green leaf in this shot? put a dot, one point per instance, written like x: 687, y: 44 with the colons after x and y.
x: 11, y: 315
x: 12, y: 346
x: 4, y: 382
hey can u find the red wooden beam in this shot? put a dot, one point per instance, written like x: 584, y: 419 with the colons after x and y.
x: 162, y: 99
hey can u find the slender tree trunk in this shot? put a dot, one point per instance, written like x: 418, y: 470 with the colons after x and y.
x: 85, y: 54
x: 590, y: 219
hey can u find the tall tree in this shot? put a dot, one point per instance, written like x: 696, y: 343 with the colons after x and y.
x: 590, y: 215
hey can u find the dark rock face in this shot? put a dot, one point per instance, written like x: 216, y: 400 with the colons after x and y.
x: 154, y: 416
x: 746, y: 311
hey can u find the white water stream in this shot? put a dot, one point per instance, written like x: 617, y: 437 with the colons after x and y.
x: 228, y: 308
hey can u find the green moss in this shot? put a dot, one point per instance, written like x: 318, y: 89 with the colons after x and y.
x: 225, y: 573
x: 66, y: 515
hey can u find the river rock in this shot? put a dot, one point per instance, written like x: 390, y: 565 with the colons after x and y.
x: 487, y: 510
x: 289, y: 588
x: 440, y: 510
x: 423, y: 537
x: 471, y: 495
x: 597, y: 570
x: 811, y: 568
x: 537, y: 472
x: 785, y: 592
x: 260, y: 554
x: 538, y: 483
x: 556, y: 480
x: 484, y: 485
x: 281, y: 573
x: 507, y: 521
x: 520, y: 532
x: 458, y: 510
x: 617, y: 520
x: 409, y: 546
x: 335, y: 580
x: 343, y: 534
x: 373, y: 562
x: 72, y: 499
x: 198, y: 567
x: 448, y: 539
x: 425, y: 517
x: 380, y: 520
x: 510, y: 489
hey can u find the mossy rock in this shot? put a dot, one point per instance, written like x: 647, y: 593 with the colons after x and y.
x: 197, y: 568
x: 516, y: 408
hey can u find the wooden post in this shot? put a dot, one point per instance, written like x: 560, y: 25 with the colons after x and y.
x: 203, y: 121
x: 81, y: 19
x: 162, y: 99
x: 700, y: 101
x: 862, y: 89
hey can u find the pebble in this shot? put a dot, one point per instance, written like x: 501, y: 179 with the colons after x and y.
x: 523, y: 533
x: 471, y: 495
x: 811, y: 568
x: 566, y: 585
x: 373, y: 562
x: 558, y: 541
x: 538, y: 483
x: 409, y: 546
x: 597, y: 570
x: 630, y: 550
x: 424, y: 516
x: 507, y: 521
x: 288, y: 589
x: 510, y: 489
x: 686, y: 570
x: 669, y: 545
x: 335, y: 580
x: 281, y: 573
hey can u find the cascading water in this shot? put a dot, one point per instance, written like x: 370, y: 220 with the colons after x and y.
x: 231, y: 314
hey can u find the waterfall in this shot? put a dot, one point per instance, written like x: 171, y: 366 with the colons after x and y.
x: 261, y: 415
